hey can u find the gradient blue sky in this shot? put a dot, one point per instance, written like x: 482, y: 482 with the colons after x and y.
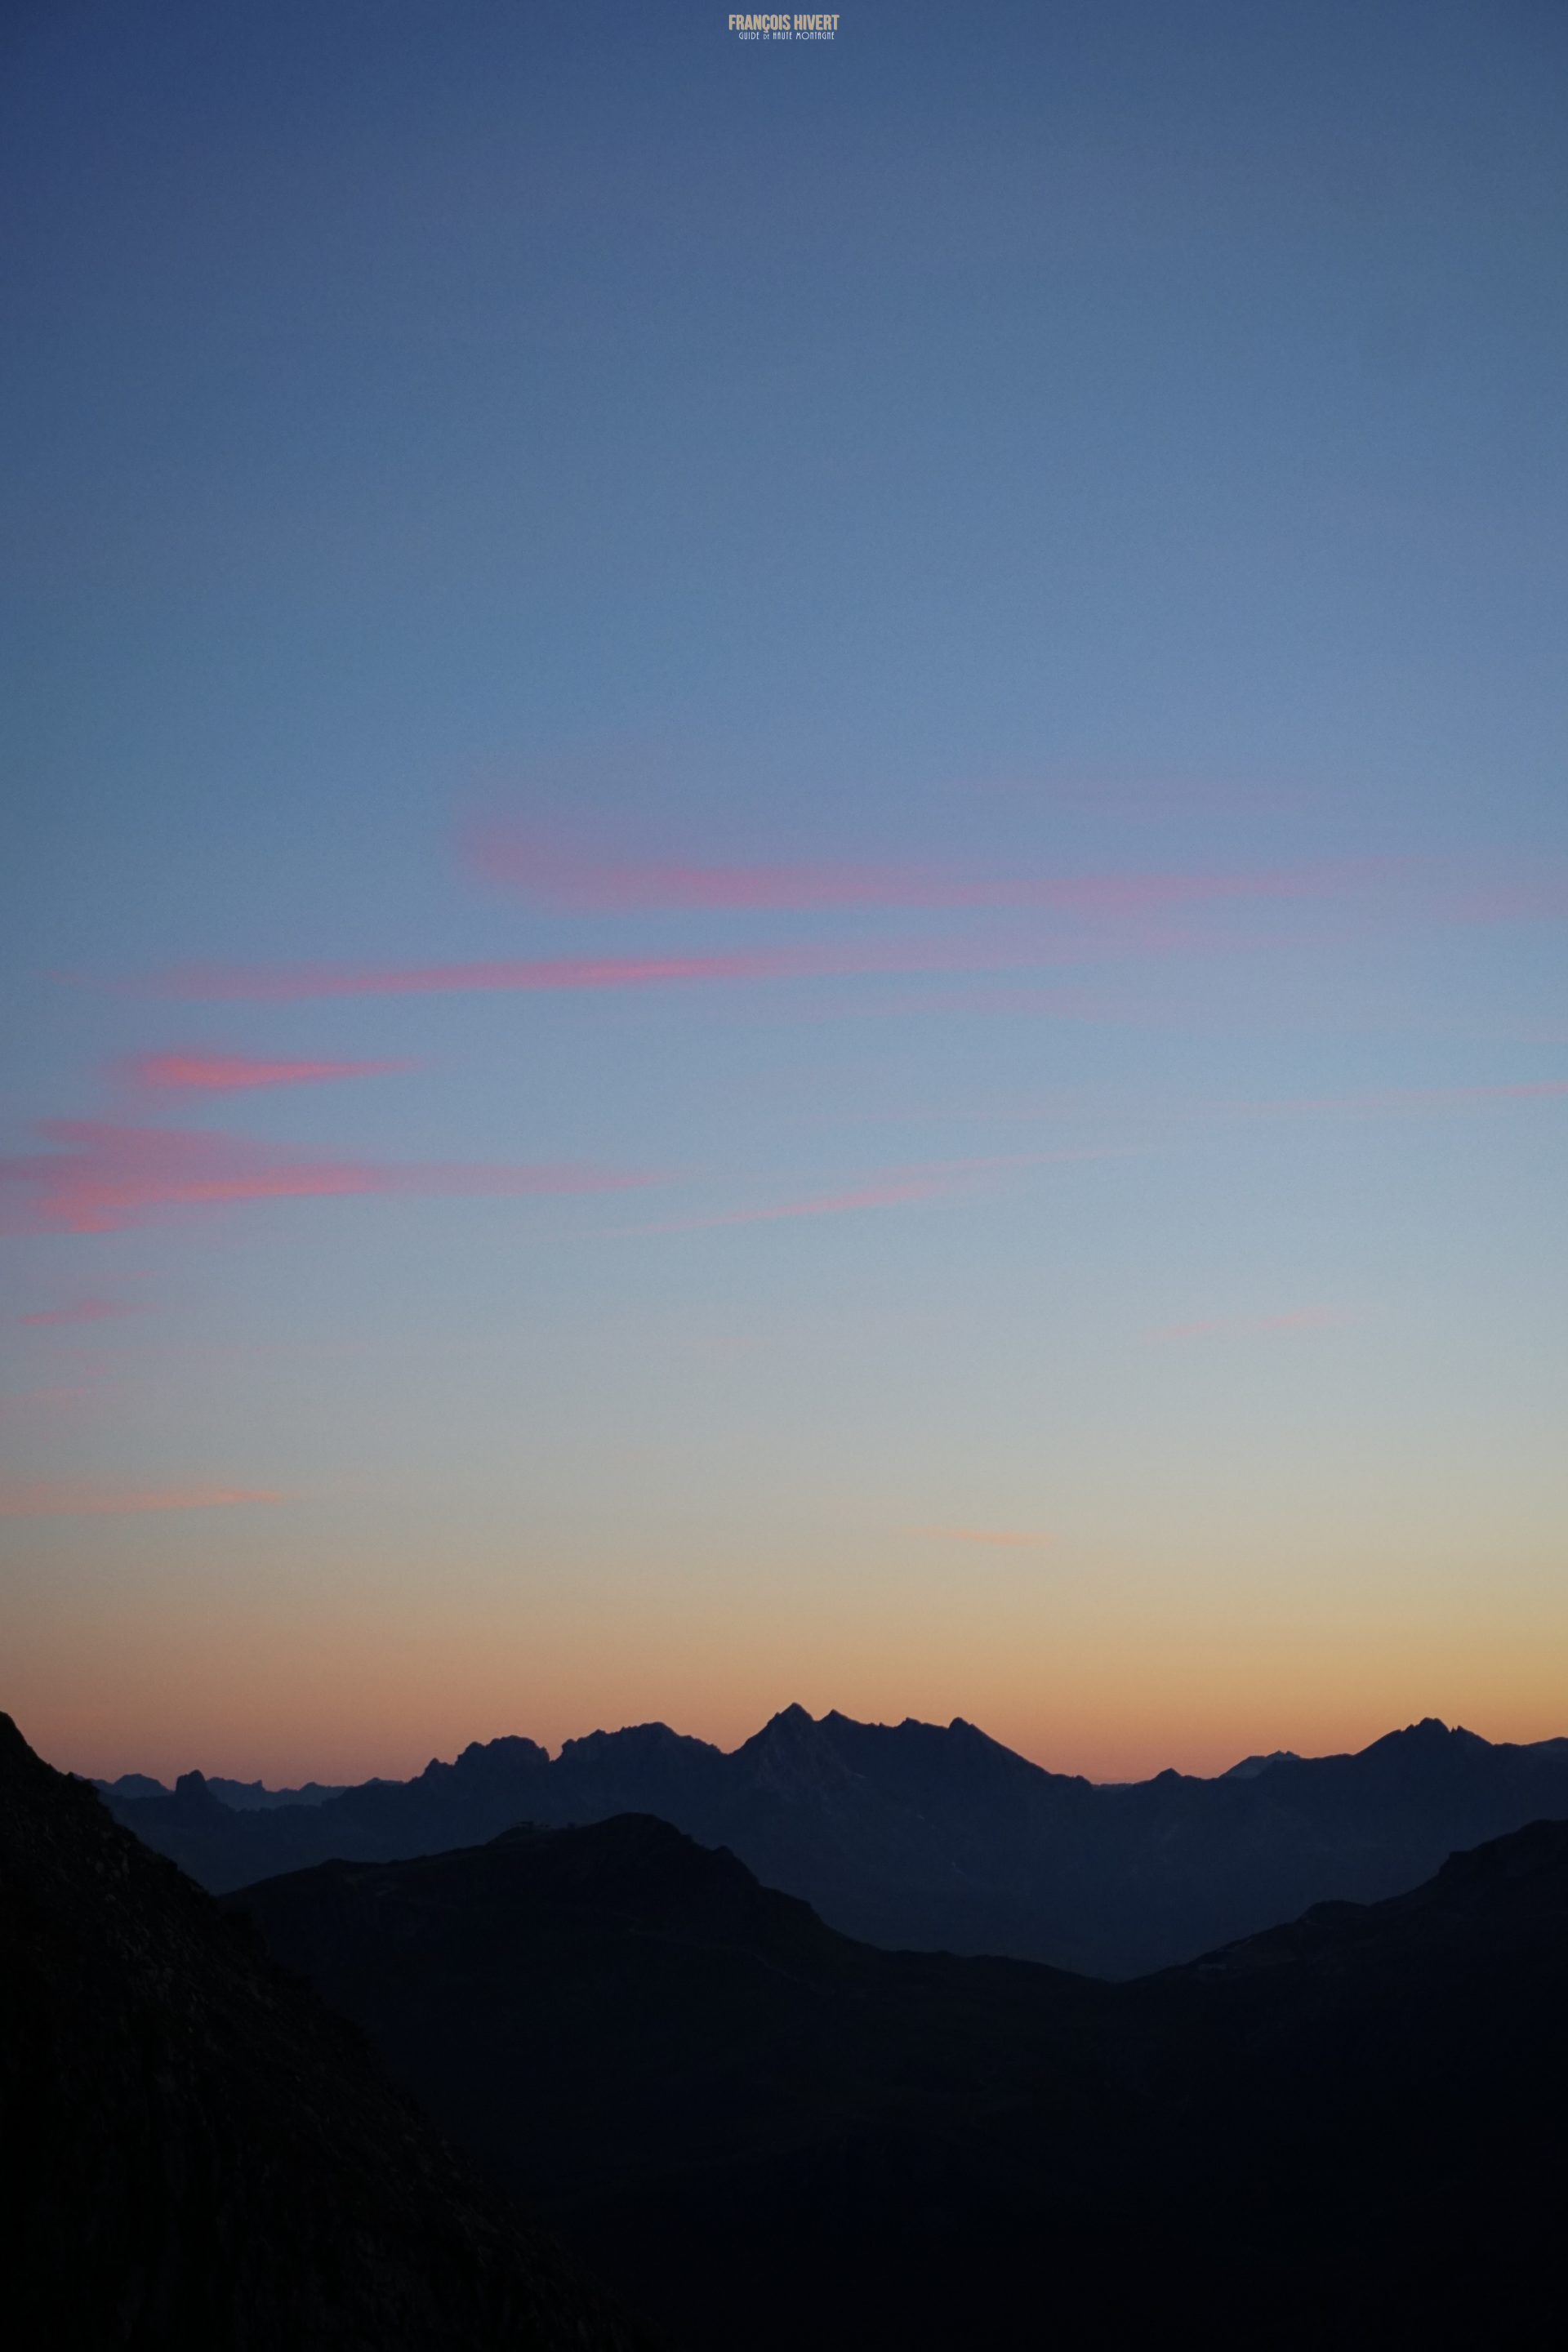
x: 910, y: 694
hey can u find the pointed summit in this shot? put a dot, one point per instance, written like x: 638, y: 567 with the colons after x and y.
x: 1434, y: 1733
x: 793, y: 1751
x: 1251, y: 1766
x: 789, y: 1728
x: 193, y: 1795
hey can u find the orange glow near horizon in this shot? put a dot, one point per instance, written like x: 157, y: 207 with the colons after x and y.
x: 343, y: 1701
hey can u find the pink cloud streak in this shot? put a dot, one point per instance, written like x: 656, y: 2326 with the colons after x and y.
x: 290, y: 984
x: 199, y: 1072
x: 580, y: 882
x: 79, y: 1310
x: 50, y: 1399
x: 99, y: 1178
x: 59, y: 1498
x: 1533, y: 901
x: 1398, y: 1099
x: 892, y: 1193
x: 897, y: 1187
x: 548, y: 975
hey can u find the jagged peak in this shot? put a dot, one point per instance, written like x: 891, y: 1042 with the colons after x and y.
x: 1432, y: 1729
x: 481, y: 1754
x: 792, y: 1721
x: 637, y: 1737
x: 509, y: 1743
x: 793, y: 1746
x: 1251, y: 1767
x: 1431, y: 1736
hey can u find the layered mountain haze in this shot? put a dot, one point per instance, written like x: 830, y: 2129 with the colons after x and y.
x: 1348, y: 2130
x: 758, y: 2129
x: 930, y: 1838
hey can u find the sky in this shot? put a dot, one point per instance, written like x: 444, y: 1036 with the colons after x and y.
x: 785, y: 913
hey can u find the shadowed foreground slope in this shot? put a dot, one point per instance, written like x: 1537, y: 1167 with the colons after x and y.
x: 200, y: 2155
x: 1350, y: 2130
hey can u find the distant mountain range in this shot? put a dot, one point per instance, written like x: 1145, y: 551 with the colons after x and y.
x: 1349, y: 2131
x: 926, y: 1838
x: 199, y: 2155
x: 239, y: 1796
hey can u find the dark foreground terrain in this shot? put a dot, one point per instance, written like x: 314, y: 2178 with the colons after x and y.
x: 1347, y: 2131
x: 931, y: 1837
x: 197, y: 2155
x: 1352, y: 2130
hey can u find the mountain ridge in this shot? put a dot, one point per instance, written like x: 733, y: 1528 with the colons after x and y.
x: 1347, y: 2129
x: 934, y: 1836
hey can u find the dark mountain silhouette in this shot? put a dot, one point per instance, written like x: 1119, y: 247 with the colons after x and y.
x: 240, y: 1796
x: 918, y: 1836
x: 254, y: 1797
x: 1248, y: 1769
x: 132, y: 1786
x: 1348, y: 2130
x: 198, y: 2154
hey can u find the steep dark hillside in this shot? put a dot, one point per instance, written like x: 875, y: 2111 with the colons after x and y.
x: 199, y: 2155
x: 937, y: 1838
x: 1348, y: 2130
x: 658, y: 2004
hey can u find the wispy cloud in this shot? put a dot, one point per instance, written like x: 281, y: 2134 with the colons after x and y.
x: 72, y: 1498
x: 1031, y: 1001
x: 1216, y: 1327
x: 196, y: 1071
x: 81, y: 1310
x: 48, y: 1400
x: 1148, y: 916
x: 1378, y: 1100
x: 99, y: 1178
x: 892, y: 1193
x: 1007, y: 1538
x: 1536, y: 900
x: 891, y: 1189
x: 578, y: 879
x: 1383, y: 1102
x: 889, y: 1192
x: 288, y: 983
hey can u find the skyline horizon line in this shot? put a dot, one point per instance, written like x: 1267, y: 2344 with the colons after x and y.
x: 554, y: 1751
